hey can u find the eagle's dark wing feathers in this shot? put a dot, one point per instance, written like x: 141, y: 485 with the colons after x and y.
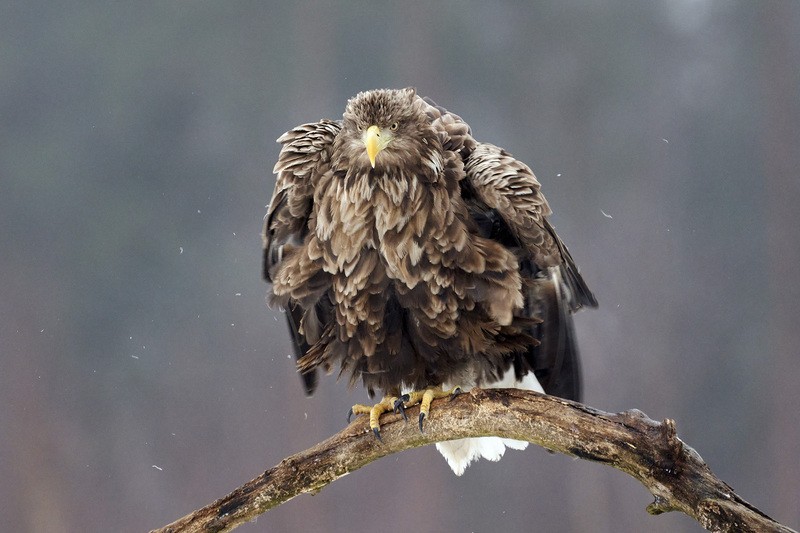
x: 305, y: 153
x: 504, y: 199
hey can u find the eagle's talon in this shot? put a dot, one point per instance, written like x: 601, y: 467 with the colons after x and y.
x: 421, y: 418
x: 455, y: 392
x: 374, y: 412
x: 400, y: 407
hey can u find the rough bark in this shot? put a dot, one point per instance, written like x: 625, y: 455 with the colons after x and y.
x: 648, y: 450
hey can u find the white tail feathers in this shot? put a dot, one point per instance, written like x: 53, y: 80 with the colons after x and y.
x: 461, y: 453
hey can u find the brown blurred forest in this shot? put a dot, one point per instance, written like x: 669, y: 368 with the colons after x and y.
x: 141, y: 373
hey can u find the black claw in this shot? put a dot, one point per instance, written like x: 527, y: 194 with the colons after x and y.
x: 377, y: 433
x: 421, y: 418
x: 349, y: 415
x: 400, y: 407
x: 455, y: 393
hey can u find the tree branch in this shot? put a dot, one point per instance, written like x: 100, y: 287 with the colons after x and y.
x: 649, y: 451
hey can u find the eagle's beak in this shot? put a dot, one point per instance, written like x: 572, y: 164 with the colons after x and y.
x: 372, y: 141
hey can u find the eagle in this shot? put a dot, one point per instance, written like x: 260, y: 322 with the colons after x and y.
x: 419, y: 261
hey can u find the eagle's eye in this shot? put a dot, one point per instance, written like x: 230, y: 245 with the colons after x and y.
x: 394, y: 126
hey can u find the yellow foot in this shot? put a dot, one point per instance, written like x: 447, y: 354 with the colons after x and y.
x: 389, y: 403
x: 399, y: 405
x: 424, y: 399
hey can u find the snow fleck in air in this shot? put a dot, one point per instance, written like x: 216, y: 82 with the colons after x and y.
x: 666, y: 141
x: 606, y: 214
x: 288, y: 356
x: 158, y: 468
x: 558, y: 175
x: 180, y: 248
x: 135, y: 356
x: 238, y: 294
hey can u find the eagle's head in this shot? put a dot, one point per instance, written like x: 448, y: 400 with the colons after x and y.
x: 387, y: 129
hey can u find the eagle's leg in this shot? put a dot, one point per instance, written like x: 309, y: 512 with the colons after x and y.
x: 424, y: 399
x: 389, y: 403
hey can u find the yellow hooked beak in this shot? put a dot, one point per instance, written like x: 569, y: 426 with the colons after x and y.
x: 374, y: 143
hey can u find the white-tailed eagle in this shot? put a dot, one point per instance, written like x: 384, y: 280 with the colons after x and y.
x: 419, y: 261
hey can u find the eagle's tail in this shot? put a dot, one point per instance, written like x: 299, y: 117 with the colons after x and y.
x: 460, y: 453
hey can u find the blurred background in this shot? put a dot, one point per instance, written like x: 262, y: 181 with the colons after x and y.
x: 142, y: 374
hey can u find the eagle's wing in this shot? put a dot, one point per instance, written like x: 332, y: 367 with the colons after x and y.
x: 504, y: 199
x: 306, y: 150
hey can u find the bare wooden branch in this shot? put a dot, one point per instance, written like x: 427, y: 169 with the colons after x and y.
x: 650, y: 451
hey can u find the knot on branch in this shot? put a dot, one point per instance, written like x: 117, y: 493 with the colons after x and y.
x: 669, y: 437
x: 666, y: 449
x: 660, y: 505
x: 670, y: 449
